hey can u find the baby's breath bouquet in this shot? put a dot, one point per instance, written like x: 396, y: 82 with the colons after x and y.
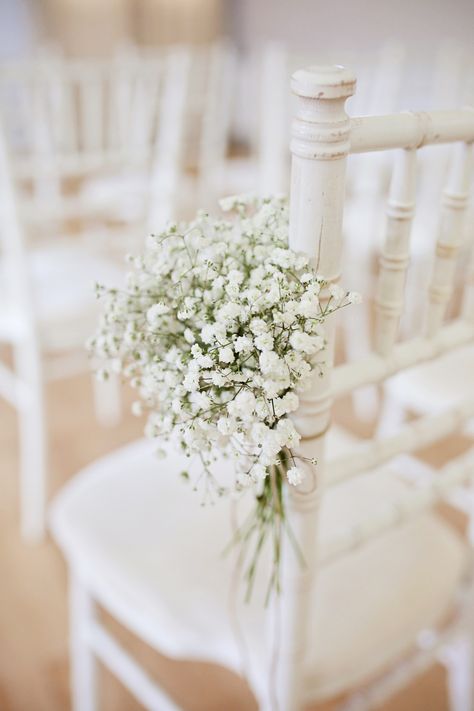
x: 219, y: 328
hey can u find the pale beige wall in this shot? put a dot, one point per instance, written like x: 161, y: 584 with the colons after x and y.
x: 95, y: 27
x: 87, y: 27
x: 164, y: 21
x: 353, y: 24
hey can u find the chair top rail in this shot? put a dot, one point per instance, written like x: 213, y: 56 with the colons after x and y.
x: 411, y: 130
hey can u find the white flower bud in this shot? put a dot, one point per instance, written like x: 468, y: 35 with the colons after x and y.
x: 294, y: 476
x: 226, y: 354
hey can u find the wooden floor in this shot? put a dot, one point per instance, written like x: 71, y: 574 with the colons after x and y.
x: 33, y: 590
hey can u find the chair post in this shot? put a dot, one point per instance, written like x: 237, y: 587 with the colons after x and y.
x: 319, y: 146
x: 82, y: 659
x: 33, y: 440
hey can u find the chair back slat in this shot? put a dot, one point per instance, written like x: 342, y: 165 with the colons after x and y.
x: 121, y: 82
x: 275, y: 120
x: 450, y: 236
x: 16, y: 287
x: 396, y: 251
x: 45, y: 174
x: 167, y: 161
x: 91, y: 92
x: 218, y: 89
x: 467, y: 309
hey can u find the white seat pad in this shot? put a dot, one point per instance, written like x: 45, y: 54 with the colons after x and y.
x: 135, y: 530
x: 63, y: 278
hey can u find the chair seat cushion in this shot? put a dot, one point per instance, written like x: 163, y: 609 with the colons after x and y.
x: 153, y: 555
x: 63, y: 278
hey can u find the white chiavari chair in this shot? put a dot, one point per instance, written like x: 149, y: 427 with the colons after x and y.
x: 65, y: 119
x: 112, y: 127
x: 384, y: 570
x: 183, y: 134
x: 48, y: 308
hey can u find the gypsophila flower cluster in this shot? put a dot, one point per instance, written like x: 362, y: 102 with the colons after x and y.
x: 220, y: 329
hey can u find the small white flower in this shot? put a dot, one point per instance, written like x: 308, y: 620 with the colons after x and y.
x: 268, y: 361
x: 258, y: 326
x: 191, y: 381
x: 235, y: 276
x: 303, y: 342
x: 176, y: 405
x: 218, y: 379
x: 183, y: 314
x: 189, y: 335
x: 353, y: 297
x: 258, y: 472
x: 227, y: 204
x: 264, y: 342
x: 207, y: 333
x: 155, y: 311
x: 226, y: 354
x: 202, y: 401
x: 243, y: 344
x: 336, y: 291
x: 226, y: 426
x: 205, y: 361
x: 294, y: 476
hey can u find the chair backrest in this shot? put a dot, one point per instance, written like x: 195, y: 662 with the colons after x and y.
x: 71, y: 118
x: 380, y: 75
x: 75, y: 118
x: 15, y: 283
x: 323, y: 136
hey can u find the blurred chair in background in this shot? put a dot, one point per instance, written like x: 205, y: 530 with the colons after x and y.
x: 100, y: 152
x: 48, y: 309
x: 388, y: 580
x: 379, y: 88
x: 384, y: 85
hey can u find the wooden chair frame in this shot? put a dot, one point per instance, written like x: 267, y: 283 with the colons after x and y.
x: 323, y: 136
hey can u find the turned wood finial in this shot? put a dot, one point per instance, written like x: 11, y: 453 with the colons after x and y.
x: 321, y: 126
x: 319, y: 144
x: 323, y: 82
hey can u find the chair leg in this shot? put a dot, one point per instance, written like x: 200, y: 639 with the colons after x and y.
x: 107, y: 401
x: 33, y: 443
x: 392, y: 416
x: 468, y: 429
x: 457, y: 659
x: 82, y: 660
